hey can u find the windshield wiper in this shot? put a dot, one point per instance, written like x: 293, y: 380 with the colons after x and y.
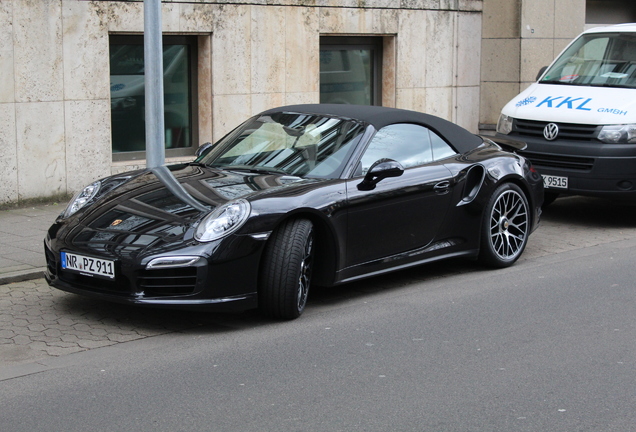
x: 253, y: 169
x: 560, y: 82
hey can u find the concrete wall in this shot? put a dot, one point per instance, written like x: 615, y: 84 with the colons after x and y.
x: 253, y: 55
x: 519, y: 37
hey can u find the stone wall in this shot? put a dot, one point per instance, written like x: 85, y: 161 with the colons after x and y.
x: 252, y: 55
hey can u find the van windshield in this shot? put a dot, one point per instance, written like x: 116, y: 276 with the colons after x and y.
x: 601, y: 59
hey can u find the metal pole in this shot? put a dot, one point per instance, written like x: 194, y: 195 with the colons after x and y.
x: 153, y: 66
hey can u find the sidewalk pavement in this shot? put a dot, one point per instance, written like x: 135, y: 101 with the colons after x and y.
x: 22, y: 232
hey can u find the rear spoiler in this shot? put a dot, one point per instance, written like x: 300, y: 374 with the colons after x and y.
x: 505, y: 143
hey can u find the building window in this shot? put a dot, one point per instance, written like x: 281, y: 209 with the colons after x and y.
x: 350, y: 70
x: 127, y: 95
x: 609, y: 11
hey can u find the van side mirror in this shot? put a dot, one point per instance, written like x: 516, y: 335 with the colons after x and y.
x: 380, y: 170
x: 541, y: 71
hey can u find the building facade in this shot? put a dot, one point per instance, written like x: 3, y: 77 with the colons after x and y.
x: 70, y: 68
x: 71, y: 71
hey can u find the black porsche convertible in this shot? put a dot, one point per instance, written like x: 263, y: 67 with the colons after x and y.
x: 296, y: 197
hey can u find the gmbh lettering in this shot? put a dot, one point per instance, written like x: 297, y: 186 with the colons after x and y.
x: 612, y: 111
x: 567, y: 102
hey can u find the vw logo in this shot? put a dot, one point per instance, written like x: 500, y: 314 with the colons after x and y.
x: 551, y: 131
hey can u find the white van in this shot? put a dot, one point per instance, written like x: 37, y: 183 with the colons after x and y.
x: 579, y: 118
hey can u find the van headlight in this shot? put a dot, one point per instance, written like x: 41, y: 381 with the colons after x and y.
x: 223, y: 221
x: 618, y: 134
x: 504, y: 125
x: 82, y: 198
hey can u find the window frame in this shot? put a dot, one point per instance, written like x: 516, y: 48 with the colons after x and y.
x: 358, y: 170
x: 193, y: 46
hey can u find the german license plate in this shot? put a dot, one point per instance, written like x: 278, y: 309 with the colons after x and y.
x: 88, y: 265
x: 555, y: 182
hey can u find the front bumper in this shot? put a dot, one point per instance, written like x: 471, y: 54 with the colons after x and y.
x: 226, y: 285
x: 592, y: 168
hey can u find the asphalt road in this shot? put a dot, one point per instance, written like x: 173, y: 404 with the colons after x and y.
x: 547, y: 345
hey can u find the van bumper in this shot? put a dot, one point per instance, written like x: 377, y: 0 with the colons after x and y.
x: 591, y: 167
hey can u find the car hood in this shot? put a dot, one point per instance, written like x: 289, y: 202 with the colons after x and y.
x: 158, y: 209
x: 574, y: 104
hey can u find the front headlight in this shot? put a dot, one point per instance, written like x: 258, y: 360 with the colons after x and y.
x: 223, y: 221
x: 618, y: 134
x: 82, y: 198
x: 504, y: 125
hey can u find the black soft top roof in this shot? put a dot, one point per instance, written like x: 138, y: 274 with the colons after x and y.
x: 379, y: 117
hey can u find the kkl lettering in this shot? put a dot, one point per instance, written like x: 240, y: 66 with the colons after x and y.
x: 568, y: 102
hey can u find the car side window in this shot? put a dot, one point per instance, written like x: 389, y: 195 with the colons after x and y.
x: 410, y: 144
x: 441, y: 149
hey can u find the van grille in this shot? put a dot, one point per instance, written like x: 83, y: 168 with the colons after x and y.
x: 557, y: 161
x: 580, y: 132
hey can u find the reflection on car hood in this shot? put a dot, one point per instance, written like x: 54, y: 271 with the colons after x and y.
x: 158, y: 209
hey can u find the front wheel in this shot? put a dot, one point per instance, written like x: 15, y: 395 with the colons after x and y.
x: 286, y: 270
x: 505, y: 227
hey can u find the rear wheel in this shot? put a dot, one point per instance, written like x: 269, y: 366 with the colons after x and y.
x: 286, y: 270
x: 506, y: 226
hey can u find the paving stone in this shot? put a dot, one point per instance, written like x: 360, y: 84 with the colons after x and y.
x: 69, y: 338
x: 20, y: 323
x: 115, y: 337
x: 6, y: 333
x: 59, y: 351
x: 94, y: 344
x: 82, y: 327
x: 36, y: 327
x: 22, y: 340
x: 53, y: 333
x: 61, y: 344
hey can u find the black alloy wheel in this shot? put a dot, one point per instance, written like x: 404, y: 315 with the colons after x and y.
x: 286, y: 270
x: 505, y: 227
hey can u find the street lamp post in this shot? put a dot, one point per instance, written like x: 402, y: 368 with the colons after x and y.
x: 153, y: 79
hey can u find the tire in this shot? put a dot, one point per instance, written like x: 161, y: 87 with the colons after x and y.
x: 505, y: 227
x: 286, y: 270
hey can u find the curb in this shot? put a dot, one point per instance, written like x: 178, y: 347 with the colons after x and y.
x: 22, y: 275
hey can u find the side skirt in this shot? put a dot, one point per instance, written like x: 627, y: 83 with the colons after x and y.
x: 466, y: 253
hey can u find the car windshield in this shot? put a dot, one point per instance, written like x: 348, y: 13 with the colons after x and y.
x: 302, y: 145
x: 603, y: 60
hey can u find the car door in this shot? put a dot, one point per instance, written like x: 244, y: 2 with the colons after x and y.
x: 404, y: 213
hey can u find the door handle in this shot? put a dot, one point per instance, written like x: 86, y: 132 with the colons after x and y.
x: 442, y: 187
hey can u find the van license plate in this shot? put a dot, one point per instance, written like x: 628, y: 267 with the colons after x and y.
x: 555, y: 182
x: 88, y: 265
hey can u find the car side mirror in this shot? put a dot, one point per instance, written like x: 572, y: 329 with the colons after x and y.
x: 203, y: 149
x: 380, y: 170
x: 541, y: 71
